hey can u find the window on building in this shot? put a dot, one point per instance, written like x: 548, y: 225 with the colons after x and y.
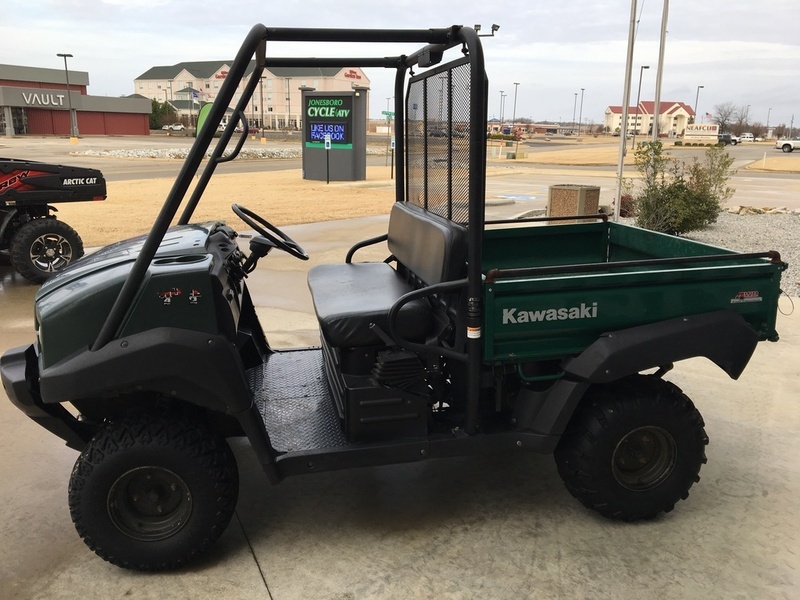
x: 269, y: 96
x: 316, y: 83
x: 208, y: 85
x: 269, y: 83
x: 216, y: 84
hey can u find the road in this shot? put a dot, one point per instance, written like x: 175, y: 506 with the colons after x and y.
x: 527, y: 183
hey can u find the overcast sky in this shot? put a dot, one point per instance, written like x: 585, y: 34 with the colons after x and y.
x: 746, y: 53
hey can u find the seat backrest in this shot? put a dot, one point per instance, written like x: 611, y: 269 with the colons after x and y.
x: 433, y: 248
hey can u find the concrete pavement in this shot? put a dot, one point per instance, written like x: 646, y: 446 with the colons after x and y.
x: 500, y: 526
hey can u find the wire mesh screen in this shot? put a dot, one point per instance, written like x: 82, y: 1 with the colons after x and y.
x: 437, y: 140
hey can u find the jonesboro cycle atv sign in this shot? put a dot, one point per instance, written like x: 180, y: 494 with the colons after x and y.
x: 335, y: 135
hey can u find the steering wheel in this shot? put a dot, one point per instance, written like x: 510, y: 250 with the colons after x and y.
x: 269, y: 231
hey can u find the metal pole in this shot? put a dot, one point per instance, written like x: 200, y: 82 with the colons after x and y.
x: 502, y: 109
x: 626, y: 100
x: 261, y: 85
x: 767, y: 132
x: 389, y: 127
x: 580, y: 114
x: 574, y: 106
x: 657, y: 107
x: 514, y: 113
x: 696, y: 100
x: 288, y: 105
x: 500, y: 114
x: 638, y: 97
x: 73, y: 126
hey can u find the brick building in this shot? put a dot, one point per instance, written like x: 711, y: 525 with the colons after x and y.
x: 35, y: 101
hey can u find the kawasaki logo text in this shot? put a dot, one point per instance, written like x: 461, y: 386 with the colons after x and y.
x: 584, y: 311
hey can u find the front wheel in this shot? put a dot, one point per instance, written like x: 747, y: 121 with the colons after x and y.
x: 633, y: 448
x: 43, y: 246
x: 153, y: 493
x: 787, y: 148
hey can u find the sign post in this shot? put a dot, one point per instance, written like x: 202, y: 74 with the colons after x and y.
x: 392, y: 170
x: 327, y: 158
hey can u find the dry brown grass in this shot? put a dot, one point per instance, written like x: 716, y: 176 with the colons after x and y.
x: 282, y: 197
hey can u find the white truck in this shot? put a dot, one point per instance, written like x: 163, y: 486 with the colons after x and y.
x: 788, y: 145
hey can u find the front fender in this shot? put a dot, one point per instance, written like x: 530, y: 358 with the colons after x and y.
x: 197, y: 367
x: 723, y: 337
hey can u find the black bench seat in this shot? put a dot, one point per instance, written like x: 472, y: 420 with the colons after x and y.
x: 349, y: 297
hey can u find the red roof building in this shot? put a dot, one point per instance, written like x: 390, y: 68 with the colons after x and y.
x: 673, y: 118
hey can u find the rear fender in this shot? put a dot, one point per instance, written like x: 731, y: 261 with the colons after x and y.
x: 723, y: 337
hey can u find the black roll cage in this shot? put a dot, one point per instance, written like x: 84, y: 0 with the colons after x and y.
x: 437, y: 42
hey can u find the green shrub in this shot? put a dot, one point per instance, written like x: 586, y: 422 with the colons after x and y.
x: 678, y: 198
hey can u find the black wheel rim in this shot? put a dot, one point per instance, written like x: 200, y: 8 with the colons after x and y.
x: 50, y: 252
x: 149, y: 503
x: 644, y: 458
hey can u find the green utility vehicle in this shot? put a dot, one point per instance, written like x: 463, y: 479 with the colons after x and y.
x: 472, y: 336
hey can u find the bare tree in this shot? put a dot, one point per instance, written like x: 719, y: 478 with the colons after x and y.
x: 740, y: 120
x: 724, y: 115
x: 758, y: 129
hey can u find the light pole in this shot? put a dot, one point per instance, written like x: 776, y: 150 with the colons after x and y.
x: 73, y: 126
x: 261, y: 85
x: 500, y: 126
x: 696, y: 100
x: 514, y: 113
x: 768, y: 113
x: 574, y: 106
x: 580, y: 114
x: 746, y: 114
x: 638, y: 97
x: 288, y: 104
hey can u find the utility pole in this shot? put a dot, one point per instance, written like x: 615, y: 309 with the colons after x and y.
x: 73, y: 125
x: 659, y: 73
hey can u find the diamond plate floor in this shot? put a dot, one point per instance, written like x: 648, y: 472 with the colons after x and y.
x: 293, y: 398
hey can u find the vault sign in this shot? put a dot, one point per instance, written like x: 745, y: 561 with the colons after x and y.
x: 329, y: 116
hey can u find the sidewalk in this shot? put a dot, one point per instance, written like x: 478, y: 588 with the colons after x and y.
x: 500, y: 527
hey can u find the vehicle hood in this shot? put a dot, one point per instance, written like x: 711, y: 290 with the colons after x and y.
x: 179, y: 241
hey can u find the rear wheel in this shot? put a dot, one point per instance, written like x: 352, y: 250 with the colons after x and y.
x: 43, y: 246
x: 787, y: 148
x: 152, y: 494
x: 633, y: 448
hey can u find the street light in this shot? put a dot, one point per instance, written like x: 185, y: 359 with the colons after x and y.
x: 73, y: 126
x: 574, y: 106
x: 500, y: 113
x: 514, y: 114
x: 746, y: 114
x: 580, y: 114
x: 768, y: 113
x: 261, y: 85
x: 638, y: 96
x: 696, y: 99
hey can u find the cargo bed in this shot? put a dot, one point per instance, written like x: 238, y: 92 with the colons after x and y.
x: 551, y: 290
